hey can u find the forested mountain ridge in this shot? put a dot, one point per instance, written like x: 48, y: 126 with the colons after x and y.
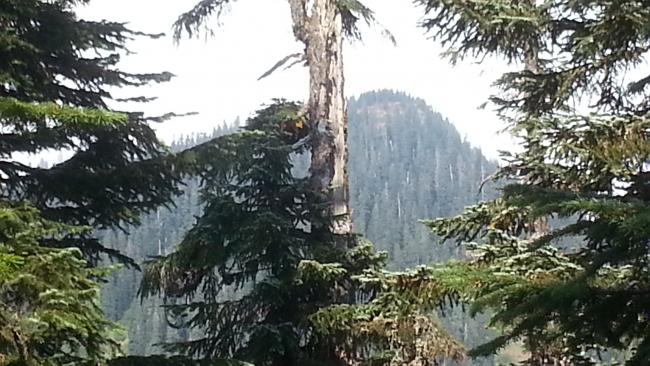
x: 406, y: 163
x: 409, y: 163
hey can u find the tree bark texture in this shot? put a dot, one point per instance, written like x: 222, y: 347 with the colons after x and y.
x: 318, y: 25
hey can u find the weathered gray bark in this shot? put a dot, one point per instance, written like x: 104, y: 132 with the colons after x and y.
x: 318, y: 25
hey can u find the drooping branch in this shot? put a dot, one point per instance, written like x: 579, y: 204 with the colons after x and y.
x: 194, y: 20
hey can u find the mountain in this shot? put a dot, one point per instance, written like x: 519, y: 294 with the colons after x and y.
x: 406, y: 163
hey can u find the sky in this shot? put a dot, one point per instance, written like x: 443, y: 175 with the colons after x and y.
x: 216, y: 76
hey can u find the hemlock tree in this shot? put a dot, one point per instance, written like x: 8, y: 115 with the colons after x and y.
x: 251, y: 238
x: 55, y: 72
x: 49, y: 297
x: 405, y: 118
x: 115, y: 171
x: 252, y: 273
x: 580, y: 109
x: 283, y: 243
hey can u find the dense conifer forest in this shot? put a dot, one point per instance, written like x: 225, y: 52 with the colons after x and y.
x: 334, y: 230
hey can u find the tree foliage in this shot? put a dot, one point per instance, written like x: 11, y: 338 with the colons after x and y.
x: 394, y: 324
x: 49, y: 299
x: 260, y: 262
x: 254, y: 232
x: 580, y: 287
x: 116, y: 169
x: 171, y: 361
x: 389, y: 191
x: 55, y: 75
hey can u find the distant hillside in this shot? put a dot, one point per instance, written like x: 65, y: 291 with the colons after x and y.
x: 406, y: 163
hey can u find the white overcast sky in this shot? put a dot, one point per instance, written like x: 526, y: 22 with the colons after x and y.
x: 217, y: 76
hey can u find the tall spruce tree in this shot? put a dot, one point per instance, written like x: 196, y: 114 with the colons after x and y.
x: 253, y: 234
x: 580, y: 109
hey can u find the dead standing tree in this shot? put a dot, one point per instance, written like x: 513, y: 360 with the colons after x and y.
x: 318, y: 24
x: 322, y: 26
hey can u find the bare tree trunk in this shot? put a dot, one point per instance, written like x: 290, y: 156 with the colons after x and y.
x: 531, y: 64
x: 318, y: 24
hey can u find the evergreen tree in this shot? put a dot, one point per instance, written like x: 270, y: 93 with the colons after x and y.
x: 55, y: 72
x: 263, y: 237
x: 171, y: 361
x: 284, y: 244
x: 376, y: 119
x: 581, y: 286
x: 115, y: 171
x: 255, y: 229
x: 49, y: 297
